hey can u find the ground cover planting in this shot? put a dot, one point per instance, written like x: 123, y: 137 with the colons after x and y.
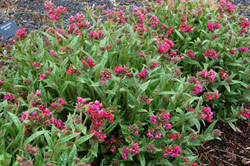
x: 129, y: 86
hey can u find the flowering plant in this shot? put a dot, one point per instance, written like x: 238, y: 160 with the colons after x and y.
x: 130, y: 89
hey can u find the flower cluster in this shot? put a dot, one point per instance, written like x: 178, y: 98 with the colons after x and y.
x: 80, y: 103
x: 30, y: 150
x: 174, y: 151
x: 175, y: 136
x: 9, y: 97
x: 98, y: 114
x: 223, y: 74
x: 24, y: 161
x: 211, y: 25
x: 210, y: 76
x: 211, y: 54
x: 244, y: 113
x: 243, y: 49
x: 114, y: 143
x: 185, y: 28
x: 206, y: 114
x: 226, y: 6
x: 134, y: 149
x: 211, y: 95
x: 58, y: 105
x: 143, y: 75
x: 88, y: 64
x: 175, y: 57
x: 97, y: 35
x: 121, y: 70
x: 161, y: 121
x: 53, y: 12
x: 197, y: 89
x: 167, y: 44
x: 58, y: 123
x: 190, y: 54
x: 98, y: 134
x: 77, y: 23
x: 20, y: 32
x: 106, y: 74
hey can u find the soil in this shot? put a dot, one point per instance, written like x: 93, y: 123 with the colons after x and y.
x: 232, y: 150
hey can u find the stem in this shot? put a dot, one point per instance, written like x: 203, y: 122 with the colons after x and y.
x: 57, y: 143
x: 163, y: 85
x: 180, y: 122
x: 78, y: 86
x: 118, y: 91
x: 85, y: 120
x: 24, y: 127
x: 176, y: 99
x: 14, y: 91
x: 104, y: 88
x: 137, y: 88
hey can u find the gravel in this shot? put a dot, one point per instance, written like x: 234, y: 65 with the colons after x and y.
x: 30, y: 14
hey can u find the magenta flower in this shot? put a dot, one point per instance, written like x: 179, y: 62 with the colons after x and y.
x: 210, y: 26
x: 42, y: 77
x: 38, y: 92
x: 70, y: 70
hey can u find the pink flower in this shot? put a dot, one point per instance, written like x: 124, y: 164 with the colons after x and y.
x: 52, y: 52
x: 20, y: 32
x: 38, y: 92
x: 11, y: 40
x: 217, y: 25
x: 212, y: 75
x: 140, y: 54
x: 34, y: 64
x: 111, y: 46
x: 210, y: 97
x: 1, y: 82
x: 216, y: 95
x: 42, y: 77
x: 70, y: 71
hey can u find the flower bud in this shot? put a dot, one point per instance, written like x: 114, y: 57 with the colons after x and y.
x: 216, y: 133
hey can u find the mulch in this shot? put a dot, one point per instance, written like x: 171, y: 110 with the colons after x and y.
x: 232, y: 150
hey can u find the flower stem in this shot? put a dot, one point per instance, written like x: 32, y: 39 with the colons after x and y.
x: 24, y: 126
x: 156, y: 94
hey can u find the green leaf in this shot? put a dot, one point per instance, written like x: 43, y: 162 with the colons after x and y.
x: 227, y: 87
x: 94, y: 149
x: 62, y: 161
x: 110, y: 128
x: 179, y: 34
x: 72, y: 155
x: 210, y: 128
x: 232, y: 125
x: 68, y: 137
x: 167, y: 93
x: 239, y: 82
x: 142, y: 159
x: 49, y: 140
x: 74, y: 42
x: 84, y: 138
x: 34, y: 136
x: 48, y: 36
x: 16, y: 121
x: 39, y: 158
